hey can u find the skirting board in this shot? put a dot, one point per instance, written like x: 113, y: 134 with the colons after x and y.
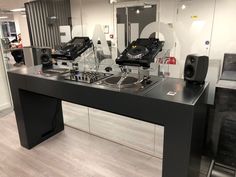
x: 5, y: 106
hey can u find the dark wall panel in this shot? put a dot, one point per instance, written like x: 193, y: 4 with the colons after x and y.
x: 42, y: 32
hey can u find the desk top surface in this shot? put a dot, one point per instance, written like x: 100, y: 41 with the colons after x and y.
x: 226, y: 84
x: 168, y: 89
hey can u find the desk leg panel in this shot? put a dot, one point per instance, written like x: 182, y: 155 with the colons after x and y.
x: 42, y: 118
x: 183, y: 142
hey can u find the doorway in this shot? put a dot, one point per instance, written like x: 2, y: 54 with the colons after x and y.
x: 133, y: 20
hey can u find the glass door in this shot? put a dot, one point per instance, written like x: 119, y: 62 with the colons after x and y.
x: 5, y: 98
x: 135, y: 20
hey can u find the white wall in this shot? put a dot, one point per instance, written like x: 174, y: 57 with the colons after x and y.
x: 167, y: 16
x: 193, y: 32
x: 93, y: 12
x: 224, y: 35
x: 190, y: 34
x: 22, y: 27
x: 214, y: 22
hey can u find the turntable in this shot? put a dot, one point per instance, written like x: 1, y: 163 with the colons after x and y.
x: 121, y: 82
x: 129, y: 82
x: 140, y: 53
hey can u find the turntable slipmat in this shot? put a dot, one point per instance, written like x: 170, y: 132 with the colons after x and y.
x: 114, y: 80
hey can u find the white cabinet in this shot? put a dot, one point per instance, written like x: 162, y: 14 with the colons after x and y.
x: 76, y: 116
x: 159, y: 141
x: 139, y: 135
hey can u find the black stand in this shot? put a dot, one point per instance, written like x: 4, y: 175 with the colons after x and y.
x: 43, y: 118
x: 37, y: 104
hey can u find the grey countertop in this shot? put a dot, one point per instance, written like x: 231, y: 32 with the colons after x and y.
x: 171, y: 103
x: 226, y: 84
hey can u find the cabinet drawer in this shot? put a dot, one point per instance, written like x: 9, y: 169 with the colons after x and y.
x: 133, y: 133
x: 75, y: 116
x: 159, y: 141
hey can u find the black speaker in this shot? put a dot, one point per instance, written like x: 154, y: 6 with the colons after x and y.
x: 196, y: 68
x: 42, y: 55
x: 46, y: 58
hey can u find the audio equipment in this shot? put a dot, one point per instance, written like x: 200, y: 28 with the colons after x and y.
x: 86, y: 76
x: 45, y: 57
x: 37, y: 56
x: 140, y: 53
x: 196, y: 68
x: 73, y: 49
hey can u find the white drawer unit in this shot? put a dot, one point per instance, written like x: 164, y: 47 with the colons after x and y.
x: 130, y: 132
x: 136, y: 134
x: 76, y: 116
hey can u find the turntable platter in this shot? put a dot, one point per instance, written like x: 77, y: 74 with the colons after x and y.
x: 130, y: 80
x: 137, y: 52
x: 126, y: 82
x: 131, y: 83
x: 113, y: 80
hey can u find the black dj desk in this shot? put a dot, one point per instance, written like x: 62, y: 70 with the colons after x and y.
x: 37, y: 103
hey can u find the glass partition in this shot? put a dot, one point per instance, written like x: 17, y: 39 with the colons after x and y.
x: 202, y: 27
x: 11, y: 39
x: 114, y: 25
x: 193, y: 28
x: 5, y: 100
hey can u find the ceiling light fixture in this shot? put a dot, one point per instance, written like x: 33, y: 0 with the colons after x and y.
x: 113, y: 1
x: 147, y: 6
x: 18, y: 10
x: 3, y: 17
x: 183, y: 7
x: 137, y: 11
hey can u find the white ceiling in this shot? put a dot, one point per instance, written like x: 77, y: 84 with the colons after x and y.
x: 12, y: 4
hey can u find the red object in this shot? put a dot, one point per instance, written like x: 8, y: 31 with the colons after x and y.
x: 171, y: 61
x: 20, y: 46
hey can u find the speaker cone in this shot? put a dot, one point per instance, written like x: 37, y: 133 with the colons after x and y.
x: 189, y: 71
x: 45, y: 59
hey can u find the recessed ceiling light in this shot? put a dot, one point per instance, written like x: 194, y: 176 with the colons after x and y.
x: 3, y: 17
x: 146, y: 6
x: 183, y: 7
x: 113, y: 1
x: 18, y: 10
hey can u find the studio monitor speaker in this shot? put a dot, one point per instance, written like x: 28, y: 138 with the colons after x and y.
x: 46, y: 58
x: 196, y: 68
x: 42, y: 55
